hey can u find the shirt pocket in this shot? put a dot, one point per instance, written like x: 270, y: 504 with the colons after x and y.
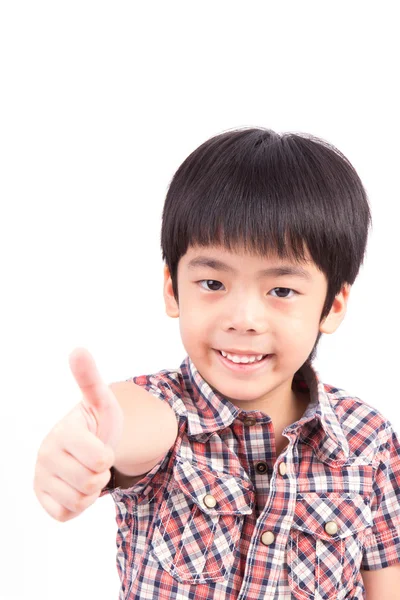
x: 325, y: 544
x: 199, y: 524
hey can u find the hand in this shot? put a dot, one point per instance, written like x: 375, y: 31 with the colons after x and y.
x: 74, y: 460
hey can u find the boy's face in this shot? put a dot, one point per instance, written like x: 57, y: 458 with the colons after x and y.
x: 241, y: 310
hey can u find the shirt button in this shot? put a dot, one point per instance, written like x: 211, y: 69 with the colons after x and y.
x: 261, y: 467
x: 267, y: 538
x: 282, y: 468
x: 209, y: 501
x: 249, y: 421
x: 331, y: 527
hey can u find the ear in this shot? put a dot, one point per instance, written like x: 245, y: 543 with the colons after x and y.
x: 337, y: 312
x: 171, y: 306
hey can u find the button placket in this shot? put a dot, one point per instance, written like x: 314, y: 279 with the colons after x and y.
x: 268, y: 537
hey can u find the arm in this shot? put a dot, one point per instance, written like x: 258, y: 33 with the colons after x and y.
x: 382, y: 584
x: 150, y: 430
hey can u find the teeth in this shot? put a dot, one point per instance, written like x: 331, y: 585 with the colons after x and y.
x: 242, y: 359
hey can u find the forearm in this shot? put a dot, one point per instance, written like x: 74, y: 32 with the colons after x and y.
x: 150, y: 429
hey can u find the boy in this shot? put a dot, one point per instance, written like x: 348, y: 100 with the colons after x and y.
x: 251, y: 478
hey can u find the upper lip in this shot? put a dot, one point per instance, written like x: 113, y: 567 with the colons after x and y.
x: 244, y: 352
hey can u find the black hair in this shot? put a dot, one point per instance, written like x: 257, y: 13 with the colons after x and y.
x: 269, y: 193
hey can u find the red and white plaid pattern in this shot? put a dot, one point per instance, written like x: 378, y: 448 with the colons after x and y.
x: 342, y: 474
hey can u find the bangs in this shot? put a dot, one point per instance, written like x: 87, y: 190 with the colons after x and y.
x: 268, y: 195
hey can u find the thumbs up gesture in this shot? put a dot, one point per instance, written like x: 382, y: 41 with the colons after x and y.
x: 74, y: 459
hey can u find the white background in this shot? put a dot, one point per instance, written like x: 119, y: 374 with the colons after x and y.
x: 100, y: 104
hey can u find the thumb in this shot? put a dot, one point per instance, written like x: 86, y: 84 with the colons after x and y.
x: 102, y: 410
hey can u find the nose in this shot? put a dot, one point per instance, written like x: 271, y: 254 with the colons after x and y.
x: 245, y: 315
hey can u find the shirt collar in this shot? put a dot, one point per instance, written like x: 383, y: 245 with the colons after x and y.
x: 209, y: 411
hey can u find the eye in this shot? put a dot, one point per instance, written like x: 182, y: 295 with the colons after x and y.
x: 212, y: 281
x: 285, y: 289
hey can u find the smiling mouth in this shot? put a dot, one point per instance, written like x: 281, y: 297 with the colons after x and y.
x: 244, y: 363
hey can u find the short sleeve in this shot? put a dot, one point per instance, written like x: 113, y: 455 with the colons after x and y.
x: 382, y: 545
x: 140, y: 484
x: 158, y: 385
x: 164, y: 386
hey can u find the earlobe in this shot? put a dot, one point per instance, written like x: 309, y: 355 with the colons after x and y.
x: 337, y: 312
x: 171, y: 306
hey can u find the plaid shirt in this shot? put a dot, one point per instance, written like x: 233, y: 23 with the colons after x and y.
x: 220, y: 518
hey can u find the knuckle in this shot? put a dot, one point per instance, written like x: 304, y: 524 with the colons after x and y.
x: 67, y: 515
x: 107, y: 477
x: 109, y: 458
x: 91, y: 487
x: 60, y: 513
x: 77, y: 505
x: 100, y: 465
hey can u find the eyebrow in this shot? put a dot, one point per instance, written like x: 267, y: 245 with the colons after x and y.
x: 218, y: 265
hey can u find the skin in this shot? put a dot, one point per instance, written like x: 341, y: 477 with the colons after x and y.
x: 241, y: 311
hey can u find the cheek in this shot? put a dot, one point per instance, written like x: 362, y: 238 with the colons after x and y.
x: 193, y: 328
x: 195, y: 316
x: 299, y: 331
